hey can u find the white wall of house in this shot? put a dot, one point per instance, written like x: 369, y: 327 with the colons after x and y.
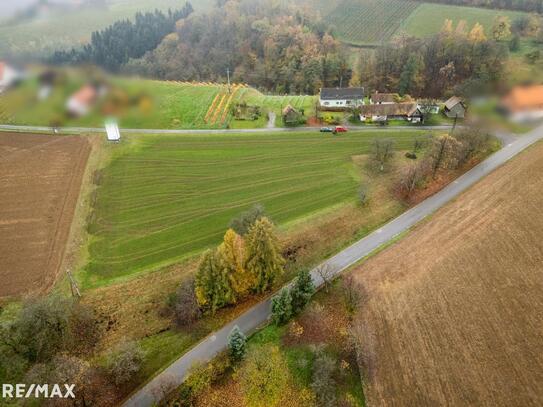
x: 341, y: 103
x: 9, y: 76
x: 526, y: 116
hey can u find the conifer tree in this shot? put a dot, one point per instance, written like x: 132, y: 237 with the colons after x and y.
x: 236, y: 344
x: 282, y: 307
x: 264, y: 260
x: 301, y: 291
x: 212, y: 283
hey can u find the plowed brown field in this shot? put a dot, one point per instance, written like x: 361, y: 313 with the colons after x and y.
x: 454, y: 315
x: 40, y: 177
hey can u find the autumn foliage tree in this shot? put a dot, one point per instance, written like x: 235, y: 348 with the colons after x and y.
x: 263, y: 259
x: 238, y: 267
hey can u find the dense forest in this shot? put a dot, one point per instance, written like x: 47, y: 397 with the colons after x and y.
x: 535, y: 6
x: 449, y: 62
x: 271, y: 46
x: 116, y: 44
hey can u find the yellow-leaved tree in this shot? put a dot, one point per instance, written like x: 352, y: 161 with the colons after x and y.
x: 232, y: 251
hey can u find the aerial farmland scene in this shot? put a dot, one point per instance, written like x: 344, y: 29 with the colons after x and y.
x: 263, y: 203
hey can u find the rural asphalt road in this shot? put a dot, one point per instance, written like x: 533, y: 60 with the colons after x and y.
x: 76, y: 130
x: 258, y: 315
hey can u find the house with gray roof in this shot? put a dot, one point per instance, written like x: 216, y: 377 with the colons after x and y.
x: 341, y: 98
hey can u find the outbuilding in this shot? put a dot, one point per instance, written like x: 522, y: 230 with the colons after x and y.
x: 455, y: 108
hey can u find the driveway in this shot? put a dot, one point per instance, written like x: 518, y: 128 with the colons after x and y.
x: 259, y: 314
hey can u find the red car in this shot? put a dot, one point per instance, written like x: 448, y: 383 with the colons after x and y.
x: 340, y: 129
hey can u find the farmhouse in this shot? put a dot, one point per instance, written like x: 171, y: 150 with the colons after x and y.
x: 395, y: 111
x: 9, y: 76
x: 384, y: 98
x: 455, y: 108
x: 81, y: 102
x: 524, y: 103
x: 341, y: 98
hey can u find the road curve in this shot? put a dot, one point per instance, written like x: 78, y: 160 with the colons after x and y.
x: 78, y: 130
x: 259, y: 314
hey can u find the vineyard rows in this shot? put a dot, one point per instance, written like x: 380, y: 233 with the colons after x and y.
x: 369, y: 22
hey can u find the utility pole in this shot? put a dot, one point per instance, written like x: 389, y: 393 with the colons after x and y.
x: 228, y: 76
x: 454, y: 124
x: 73, y: 286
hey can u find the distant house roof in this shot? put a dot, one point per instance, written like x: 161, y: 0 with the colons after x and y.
x: 289, y: 109
x: 452, y: 102
x: 86, y: 95
x: 342, y: 93
x: 2, y: 68
x: 524, y: 98
x: 384, y: 97
x: 395, y: 109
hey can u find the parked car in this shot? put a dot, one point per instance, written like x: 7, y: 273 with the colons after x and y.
x: 326, y: 130
x: 340, y: 129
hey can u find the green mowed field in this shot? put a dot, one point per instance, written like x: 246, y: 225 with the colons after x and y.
x: 163, y: 198
x: 72, y: 28
x: 428, y: 18
x: 168, y: 105
x: 369, y: 22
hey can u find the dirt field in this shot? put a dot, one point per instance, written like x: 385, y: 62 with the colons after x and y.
x: 40, y: 178
x: 454, y: 314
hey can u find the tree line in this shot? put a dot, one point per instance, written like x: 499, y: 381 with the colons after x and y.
x: 454, y: 61
x: 115, y: 45
x: 270, y: 45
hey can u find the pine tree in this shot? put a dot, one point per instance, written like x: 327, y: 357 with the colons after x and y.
x: 236, y: 344
x: 301, y: 291
x: 282, y: 307
x: 212, y: 284
x: 264, y: 260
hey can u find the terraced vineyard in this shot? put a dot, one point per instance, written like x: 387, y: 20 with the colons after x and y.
x: 369, y: 22
x: 163, y: 198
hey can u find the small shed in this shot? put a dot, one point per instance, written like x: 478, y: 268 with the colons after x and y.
x: 112, y: 131
x: 455, y: 107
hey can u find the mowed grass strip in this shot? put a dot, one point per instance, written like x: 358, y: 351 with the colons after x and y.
x: 163, y: 198
x: 428, y: 18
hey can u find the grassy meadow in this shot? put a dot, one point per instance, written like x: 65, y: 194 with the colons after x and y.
x: 369, y: 22
x: 65, y: 29
x: 427, y: 19
x: 138, y: 103
x: 164, y: 198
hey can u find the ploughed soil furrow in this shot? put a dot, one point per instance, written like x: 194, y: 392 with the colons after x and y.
x: 454, y: 312
x: 40, y: 179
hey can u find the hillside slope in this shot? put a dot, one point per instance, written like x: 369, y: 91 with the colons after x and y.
x: 455, y: 310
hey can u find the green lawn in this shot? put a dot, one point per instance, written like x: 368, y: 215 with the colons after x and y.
x: 67, y: 29
x: 170, y: 105
x: 273, y: 103
x: 428, y: 18
x: 163, y: 198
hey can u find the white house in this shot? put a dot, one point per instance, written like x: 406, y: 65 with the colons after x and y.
x: 8, y: 76
x: 394, y: 111
x: 341, y: 98
x: 524, y: 103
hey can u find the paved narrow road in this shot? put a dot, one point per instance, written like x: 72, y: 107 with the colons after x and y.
x: 77, y: 130
x: 259, y: 314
